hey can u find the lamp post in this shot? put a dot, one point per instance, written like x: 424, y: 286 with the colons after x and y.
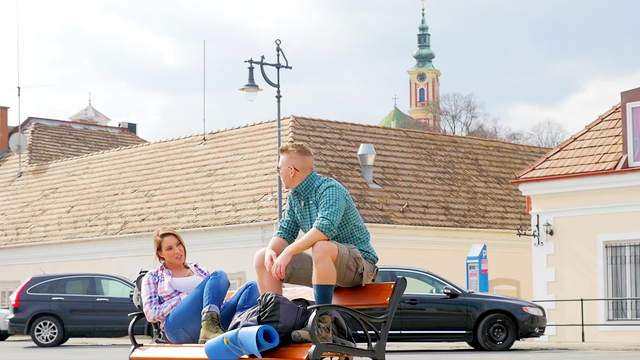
x: 251, y: 90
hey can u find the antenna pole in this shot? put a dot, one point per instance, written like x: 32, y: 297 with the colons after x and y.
x: 204, y: 90
x: 18, y: 80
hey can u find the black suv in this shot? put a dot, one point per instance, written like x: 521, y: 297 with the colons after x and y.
x: 53, y: 308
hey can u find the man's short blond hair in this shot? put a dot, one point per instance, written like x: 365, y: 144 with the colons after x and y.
x: 296, y: 148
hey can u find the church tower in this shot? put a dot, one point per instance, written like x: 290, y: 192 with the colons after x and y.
x: 424, y: 81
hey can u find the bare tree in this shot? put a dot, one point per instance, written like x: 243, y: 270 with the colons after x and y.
x: 514, y: 136
x: 458, y: 113
x: 462, y: 115
x: 547, y: 133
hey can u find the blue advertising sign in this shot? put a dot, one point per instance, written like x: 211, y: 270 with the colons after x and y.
x: 477, y: 268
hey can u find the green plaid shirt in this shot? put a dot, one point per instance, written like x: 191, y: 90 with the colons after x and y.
x: 323, y: 203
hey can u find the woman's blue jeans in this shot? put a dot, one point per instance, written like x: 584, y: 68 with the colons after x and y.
x: 182, y: 326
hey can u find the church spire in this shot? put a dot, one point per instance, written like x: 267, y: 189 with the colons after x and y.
x: 424, y: 81
x: 424, y: 54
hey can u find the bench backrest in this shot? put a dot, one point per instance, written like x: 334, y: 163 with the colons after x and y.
x: 374, y: 295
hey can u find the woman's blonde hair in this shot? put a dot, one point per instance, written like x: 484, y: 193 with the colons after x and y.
x: 160, y: 234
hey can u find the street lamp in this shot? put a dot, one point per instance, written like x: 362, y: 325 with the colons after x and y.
x: 251, y: 90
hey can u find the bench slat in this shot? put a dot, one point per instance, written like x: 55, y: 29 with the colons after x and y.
x: 375, y: 295
x: 169, y: 352
x: 289, y: 352
x: 196, y: 352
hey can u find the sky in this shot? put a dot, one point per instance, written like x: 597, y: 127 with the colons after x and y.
x: 142, y: 61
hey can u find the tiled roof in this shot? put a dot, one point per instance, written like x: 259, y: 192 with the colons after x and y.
x: 54, y: 139
x: 428, y: 179
x: 597, y: 148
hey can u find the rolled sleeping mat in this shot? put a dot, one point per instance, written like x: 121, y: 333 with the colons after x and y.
x: 250, y: 340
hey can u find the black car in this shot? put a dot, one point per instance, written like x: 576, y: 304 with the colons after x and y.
x: 53, y: 308
x: 434, y: 309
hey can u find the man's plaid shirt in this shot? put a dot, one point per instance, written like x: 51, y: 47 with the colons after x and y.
x: 158, y: 297
x: 323, y: 203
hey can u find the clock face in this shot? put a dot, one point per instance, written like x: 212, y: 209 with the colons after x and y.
x: 421, y: 77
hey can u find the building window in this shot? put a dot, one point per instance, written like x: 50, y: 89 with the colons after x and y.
x: 422, y: 95
x: 622, y: 274
x: 4, y: 299
x: 633, y: 133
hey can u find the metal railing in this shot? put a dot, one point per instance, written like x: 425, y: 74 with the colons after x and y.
x: 633, y: 308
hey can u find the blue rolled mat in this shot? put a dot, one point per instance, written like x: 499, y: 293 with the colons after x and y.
x: 243, y: 341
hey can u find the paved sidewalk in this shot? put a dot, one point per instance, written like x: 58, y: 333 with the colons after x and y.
x: 401, y: 347
x: 519, y: 345
x: 21, y: 347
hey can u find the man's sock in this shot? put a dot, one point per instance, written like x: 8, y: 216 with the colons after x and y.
x: 323, y: 294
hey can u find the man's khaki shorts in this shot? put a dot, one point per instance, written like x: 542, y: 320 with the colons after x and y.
x: 351, y: 268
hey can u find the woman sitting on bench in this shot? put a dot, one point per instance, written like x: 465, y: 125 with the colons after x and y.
x: 185, y: 298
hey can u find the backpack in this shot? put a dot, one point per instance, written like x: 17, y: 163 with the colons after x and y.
x: 157, y: 335
x: 136, y: 294
x: 276, y: 310
x: 285, y: 316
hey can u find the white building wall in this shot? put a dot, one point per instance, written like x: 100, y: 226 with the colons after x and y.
x: 586, y: 213
x: 231, y: 248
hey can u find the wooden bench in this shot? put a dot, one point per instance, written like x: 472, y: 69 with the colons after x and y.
x: 346, y: 301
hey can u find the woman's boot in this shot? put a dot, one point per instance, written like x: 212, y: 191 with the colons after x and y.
x: 210, y: 327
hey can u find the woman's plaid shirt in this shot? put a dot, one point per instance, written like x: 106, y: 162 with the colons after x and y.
x: 158, y: 297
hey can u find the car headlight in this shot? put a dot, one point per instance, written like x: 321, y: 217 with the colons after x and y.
x: 533, y: 310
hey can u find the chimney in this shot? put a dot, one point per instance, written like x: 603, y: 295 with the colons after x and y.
x: 4, y: 129
x: 630, y: 106
x: 366, y: 158
x: 132, y: 127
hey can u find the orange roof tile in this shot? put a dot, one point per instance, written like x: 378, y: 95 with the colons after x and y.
x: 598, y: 147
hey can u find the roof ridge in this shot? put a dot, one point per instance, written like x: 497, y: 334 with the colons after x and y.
x: 63, y: 122
x: 27, y: 122
x: 572, y: 138
x: 419, y: 131
x: 161, y: 141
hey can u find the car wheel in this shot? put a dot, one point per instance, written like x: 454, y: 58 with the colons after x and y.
x: 47, y: 331
x: 4, y: 336
x: 496, y: 332
x: 64, y: 340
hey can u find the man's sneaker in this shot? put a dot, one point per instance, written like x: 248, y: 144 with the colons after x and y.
x: 323, y: 332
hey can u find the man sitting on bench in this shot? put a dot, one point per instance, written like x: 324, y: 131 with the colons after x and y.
x: 341, y: 251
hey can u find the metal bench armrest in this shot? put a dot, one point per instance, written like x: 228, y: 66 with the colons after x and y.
x: 365, y: 321
x: 135, y: 317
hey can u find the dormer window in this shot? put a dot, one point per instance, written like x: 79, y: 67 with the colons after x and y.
x: 633, y: 133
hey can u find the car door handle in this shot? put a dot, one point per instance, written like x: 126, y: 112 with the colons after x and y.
x: 57, y: 298
x: 102, y: 299
x: 411, y: 301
